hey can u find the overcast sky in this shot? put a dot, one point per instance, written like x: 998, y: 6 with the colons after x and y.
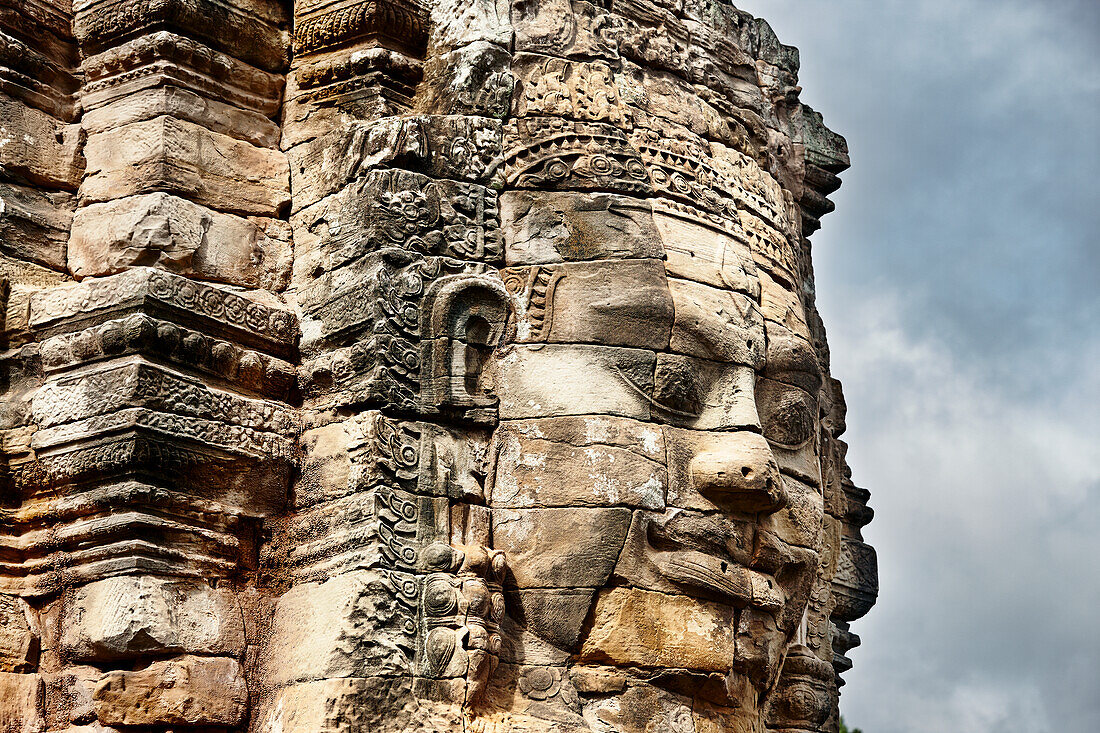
x: 959, y: 279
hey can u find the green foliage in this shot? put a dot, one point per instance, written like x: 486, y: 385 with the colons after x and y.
x: 845, y: 729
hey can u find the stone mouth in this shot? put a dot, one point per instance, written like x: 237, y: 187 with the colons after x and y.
x: 720, y: 579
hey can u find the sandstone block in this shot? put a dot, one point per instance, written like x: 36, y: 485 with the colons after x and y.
x: 34, y: 225
x: 395, y: 209
x: 554, y: 615
x: 800, y: 522
x: 648, y: 629
x: 759, y: 646
x: 246, y: 28
x: 699, y: 250
x: 704, y: 395
x: 252, y: 318
x: 566, y: 379
x: 595, y: 680
x: 175, y: 234
x: 459, y: 147
x: 377, y: 704
x: 166, y: 60
x: 546, y: 85
x: 132, y: 616
x: 182, y: 158
x: 69, y: 694
x: 716, y: 324
x: 348, y: 626
x: 181, y: 691
x: 19, y: 644
x: 457, y: 23
x: 614, y: 303
x: 560, y: 548
x: 565, y: 226
x: 590, y: 461
x: 472, y: 80
x: 22, y: 698
x: 183, y: 104
x: 646, y: 709
x: 327, y: 469
x: 37, y: 147
x: 570, y: 28
x: 661, y: 94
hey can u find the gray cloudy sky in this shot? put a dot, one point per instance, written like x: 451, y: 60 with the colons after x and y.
x: 960, y: 282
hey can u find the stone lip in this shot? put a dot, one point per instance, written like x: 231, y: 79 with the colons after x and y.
x: 720, y: 579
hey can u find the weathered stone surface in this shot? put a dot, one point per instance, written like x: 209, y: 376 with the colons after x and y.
x: 613, y: 303
x: 736, y: 335
x: 181, y: 691
x: 38, y: 148
x: 648, y: 629
x: 455, y: 23
x: 34, y: 224
x: 579, y: 90
x: 559, y: 379
x: 642, y: 709
x: 704, y: 394
x: 183, y: 104
x: 127, y: 617
x: 354, y: 704
x: 590, y: 461
x: 396, y: 209
x: 175, y: 234
x: 565, y: 28
x: 185, y: 159
x: 69, y: 694
x: 21, y: 703
x: 545, y: 228
x: 460, y: 147
x: 19, y: 644
x: 343, y: 627
x: 471, y: 80
x: 699, y: 250
x: 561, y: 548
x: 555, y: 616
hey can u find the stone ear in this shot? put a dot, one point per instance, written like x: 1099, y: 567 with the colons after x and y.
x: 463, y: 320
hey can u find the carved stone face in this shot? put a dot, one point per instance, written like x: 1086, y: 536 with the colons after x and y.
x: 446, y: 365
x: 657, y: 482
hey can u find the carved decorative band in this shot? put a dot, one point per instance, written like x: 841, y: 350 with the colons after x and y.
x: 164, y: 45
x: 274, y: 328
x: 102, y: 25
x: 371, y: 19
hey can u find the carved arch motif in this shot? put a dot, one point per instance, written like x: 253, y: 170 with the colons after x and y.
x: 463, y: 319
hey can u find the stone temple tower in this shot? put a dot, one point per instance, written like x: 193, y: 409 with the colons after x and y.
x: 451, y: 366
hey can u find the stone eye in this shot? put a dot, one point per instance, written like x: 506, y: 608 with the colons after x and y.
x: 677, y: 387
x: 788, y: 415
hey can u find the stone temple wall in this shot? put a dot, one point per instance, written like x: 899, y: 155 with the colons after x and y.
x: 416, y: 365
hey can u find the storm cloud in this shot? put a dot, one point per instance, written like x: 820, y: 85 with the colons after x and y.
x: 960, y: 282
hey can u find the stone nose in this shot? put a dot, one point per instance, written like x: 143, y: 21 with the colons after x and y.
x: 738, y: 472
